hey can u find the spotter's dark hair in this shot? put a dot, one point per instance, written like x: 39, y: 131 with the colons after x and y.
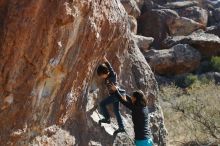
x: 140, y: 99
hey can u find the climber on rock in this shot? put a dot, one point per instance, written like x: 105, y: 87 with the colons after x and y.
x: 138, y: 105
x: 106, y: 72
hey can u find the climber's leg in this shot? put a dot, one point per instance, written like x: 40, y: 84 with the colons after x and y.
x: 118, y: 114
x: 147, y: 142
x: 119, y: 119
x: 104, y: 110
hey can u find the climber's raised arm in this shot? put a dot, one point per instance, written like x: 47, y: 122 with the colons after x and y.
x: 107, y: 63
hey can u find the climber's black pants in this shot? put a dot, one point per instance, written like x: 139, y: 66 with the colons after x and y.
x: 112, y: 99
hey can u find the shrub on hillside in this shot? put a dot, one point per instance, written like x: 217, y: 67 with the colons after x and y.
x: 215, y: 62
x: 192, y: 115
x: 190, y: 79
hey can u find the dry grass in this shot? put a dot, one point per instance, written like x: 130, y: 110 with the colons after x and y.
x: 192, y: 115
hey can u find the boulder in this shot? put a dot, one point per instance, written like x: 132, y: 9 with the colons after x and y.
x: 154, y: 23
x: 195, y: 13
x: 207, y: 44
x: 143, y: 42
x: 183, y: 26
x: 179, y: 59
x: 54, y: 135
x: 131, y: 7
x: 180, y: 4
x: 162, y: 23
x: 212, y: 6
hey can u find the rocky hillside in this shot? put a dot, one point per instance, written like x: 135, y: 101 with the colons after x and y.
x: 185, y: 32
x: 49, y: 90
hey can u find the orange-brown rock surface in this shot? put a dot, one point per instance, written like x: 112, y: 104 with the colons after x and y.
x: 48, y: 87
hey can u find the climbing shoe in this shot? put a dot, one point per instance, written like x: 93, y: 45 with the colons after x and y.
x: 104, y: 121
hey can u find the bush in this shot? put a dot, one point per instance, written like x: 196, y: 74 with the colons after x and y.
x: 215, y: 62
x: 205, y: 80
x: 192, y: 114
x: 194, y: 80
x: 191, y: 79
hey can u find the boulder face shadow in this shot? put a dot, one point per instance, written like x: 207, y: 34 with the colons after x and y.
x: 87, y: 131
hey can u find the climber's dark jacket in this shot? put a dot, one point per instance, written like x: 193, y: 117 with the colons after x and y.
x: 112, y: 79
x: 140, y: 118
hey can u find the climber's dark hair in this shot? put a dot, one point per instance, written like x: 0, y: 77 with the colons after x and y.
x: 140, y: 100
x: 102, y: 69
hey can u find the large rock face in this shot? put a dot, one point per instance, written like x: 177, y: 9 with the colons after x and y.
x: 49, y: 52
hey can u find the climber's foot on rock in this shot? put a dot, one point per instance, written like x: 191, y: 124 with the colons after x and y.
x: 107, y: 121
x: 119, y: 130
